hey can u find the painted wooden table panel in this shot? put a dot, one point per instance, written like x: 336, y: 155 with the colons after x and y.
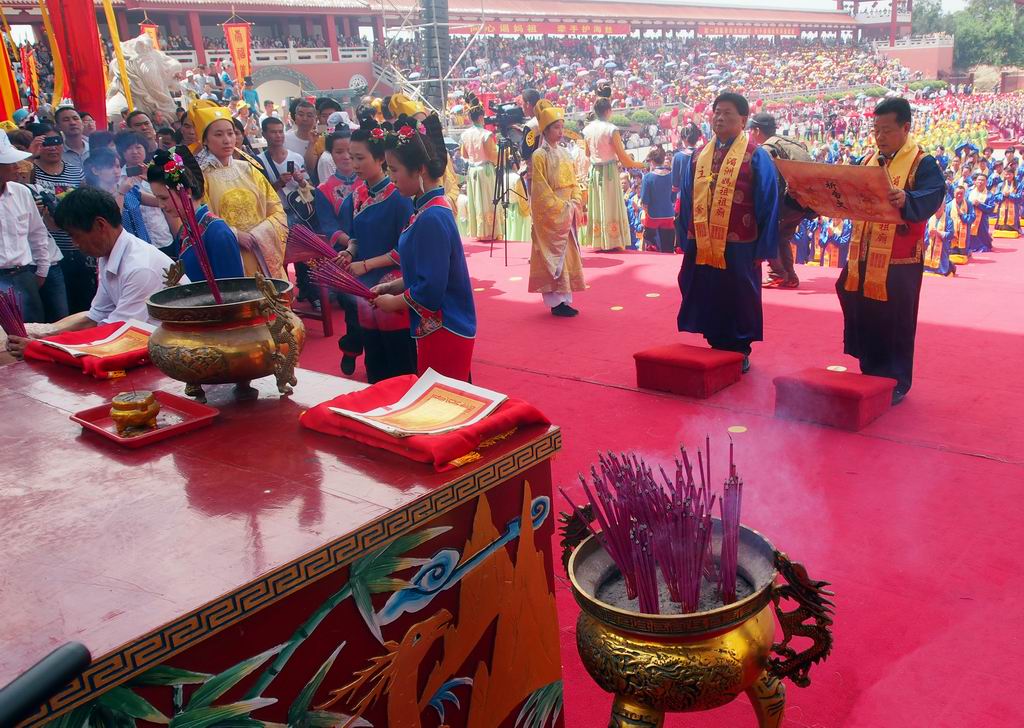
x: 255, y: 572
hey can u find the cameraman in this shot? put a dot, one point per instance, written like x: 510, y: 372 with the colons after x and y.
x: 54, y: 176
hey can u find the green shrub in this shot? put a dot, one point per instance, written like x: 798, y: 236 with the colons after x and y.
x: 643, y: 117
x: 621, y: 121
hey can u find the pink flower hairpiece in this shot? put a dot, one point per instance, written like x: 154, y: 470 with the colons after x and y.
x: 174, y: 169
x: 405, y: 134
x: 378, y: 134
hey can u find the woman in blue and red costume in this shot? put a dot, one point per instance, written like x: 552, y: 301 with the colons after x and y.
x: 334, y: 218
x: 377, y: 214
x: 435, y: 286
x: 177, y: 169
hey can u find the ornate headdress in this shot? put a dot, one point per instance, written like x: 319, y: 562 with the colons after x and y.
x: 604, y: 91
x: 548, y: 116
x: 401, y: 104
x: 202, y: 113
x: 473, y: 103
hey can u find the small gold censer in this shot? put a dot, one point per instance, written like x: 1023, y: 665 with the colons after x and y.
x: 134, y: 410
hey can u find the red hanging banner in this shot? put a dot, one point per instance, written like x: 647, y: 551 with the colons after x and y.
x: 28, y: 72
x: 239, y: 37
x: 551, y: 28
x: 78, y: 40
x: 10, y: 101
x: 153, y: 31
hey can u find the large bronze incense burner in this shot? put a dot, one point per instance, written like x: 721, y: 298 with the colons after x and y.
x: 660, y: 663
x: 251, y: 334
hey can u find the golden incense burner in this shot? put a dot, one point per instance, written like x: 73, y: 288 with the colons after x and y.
x: 134, y: 410
x: 659, y: 663
x: 252, y: 334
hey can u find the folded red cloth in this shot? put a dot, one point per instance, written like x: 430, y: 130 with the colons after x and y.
x: 107, y: 367
x: 439, y: 450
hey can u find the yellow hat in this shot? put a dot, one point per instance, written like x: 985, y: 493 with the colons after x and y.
x: 402, y: 104
x: 203, y: 112
x: 548, y: 116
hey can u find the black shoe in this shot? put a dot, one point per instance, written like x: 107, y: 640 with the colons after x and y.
x: 564, y: 310
x: 898, y: 395
x: 746, y: 364
x: 348, y: 365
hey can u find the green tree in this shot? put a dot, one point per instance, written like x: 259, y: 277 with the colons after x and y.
x: 929, y: 18
x: 986, y: 31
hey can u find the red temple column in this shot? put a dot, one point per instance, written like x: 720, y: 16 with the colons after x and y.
x: 378, y: 30
x: 892, y: 25
x: 122, y: 26
x: 195, y: 34
x: 332, y: 36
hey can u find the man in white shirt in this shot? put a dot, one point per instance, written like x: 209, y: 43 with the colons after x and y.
x: 130, y: 270
x: 285, y: 168
x: 298, y: 139
x: 24, y: 240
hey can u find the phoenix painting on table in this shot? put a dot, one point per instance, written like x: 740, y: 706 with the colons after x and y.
x: 450, y: 625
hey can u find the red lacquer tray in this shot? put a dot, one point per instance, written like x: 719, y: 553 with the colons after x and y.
x: 177, y: 415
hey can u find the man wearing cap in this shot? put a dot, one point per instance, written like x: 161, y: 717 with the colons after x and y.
x: 727, y: 224
x: 250, y: 95
x: 781, y: 273
x: 24, y: 240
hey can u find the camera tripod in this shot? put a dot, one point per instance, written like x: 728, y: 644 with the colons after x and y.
x: 506, y: 156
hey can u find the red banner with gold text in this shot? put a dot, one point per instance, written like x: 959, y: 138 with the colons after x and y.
x: 239, y: 36
x: 549, y: 28
x: 153, y: 31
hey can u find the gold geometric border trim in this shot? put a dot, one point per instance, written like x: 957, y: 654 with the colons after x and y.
x: 152, y: 649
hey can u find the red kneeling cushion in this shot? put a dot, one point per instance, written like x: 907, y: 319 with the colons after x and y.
x: 690, y: 370
x: 839, y: 399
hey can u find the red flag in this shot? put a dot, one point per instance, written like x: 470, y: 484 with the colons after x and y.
x: 78, y: 39
x: 28, y: 71
x: 153, y: 31
x: 10, y: 101
x: 239, y: 37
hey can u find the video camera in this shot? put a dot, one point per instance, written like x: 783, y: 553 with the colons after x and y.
x: 507, y: 117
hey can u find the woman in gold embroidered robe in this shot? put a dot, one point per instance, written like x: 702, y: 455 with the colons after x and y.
x: 556, y: 205
x: 238, y: 193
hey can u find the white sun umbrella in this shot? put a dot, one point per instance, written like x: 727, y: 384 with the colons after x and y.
x: 504, y: 66
x: 414, y: 75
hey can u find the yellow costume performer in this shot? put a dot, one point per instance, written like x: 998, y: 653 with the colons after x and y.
x: 238, y: 193
x: 556, y: 203
x: 480, y: 150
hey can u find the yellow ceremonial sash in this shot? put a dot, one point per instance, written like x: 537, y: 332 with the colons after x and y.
x: 959, y: 229
x: 881, y: 235
x: 936, y: 231
x: 711, y: 211
x: 976, y: 199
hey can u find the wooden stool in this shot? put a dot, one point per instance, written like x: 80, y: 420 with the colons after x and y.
x: 693, y: 371
x: 323, y: 315
x: 839, y: 399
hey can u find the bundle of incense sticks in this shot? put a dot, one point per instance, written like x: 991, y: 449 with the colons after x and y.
x: 729, y: 504
x: 329, y: 273
x: 181, y: 198
x: 646, y: 525
x: 11, y: 318
x: 304, y: 245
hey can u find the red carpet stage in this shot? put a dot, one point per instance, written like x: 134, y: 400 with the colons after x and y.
x: 914, y: 519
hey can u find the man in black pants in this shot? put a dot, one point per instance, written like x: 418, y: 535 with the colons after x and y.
x: 781, y: 273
